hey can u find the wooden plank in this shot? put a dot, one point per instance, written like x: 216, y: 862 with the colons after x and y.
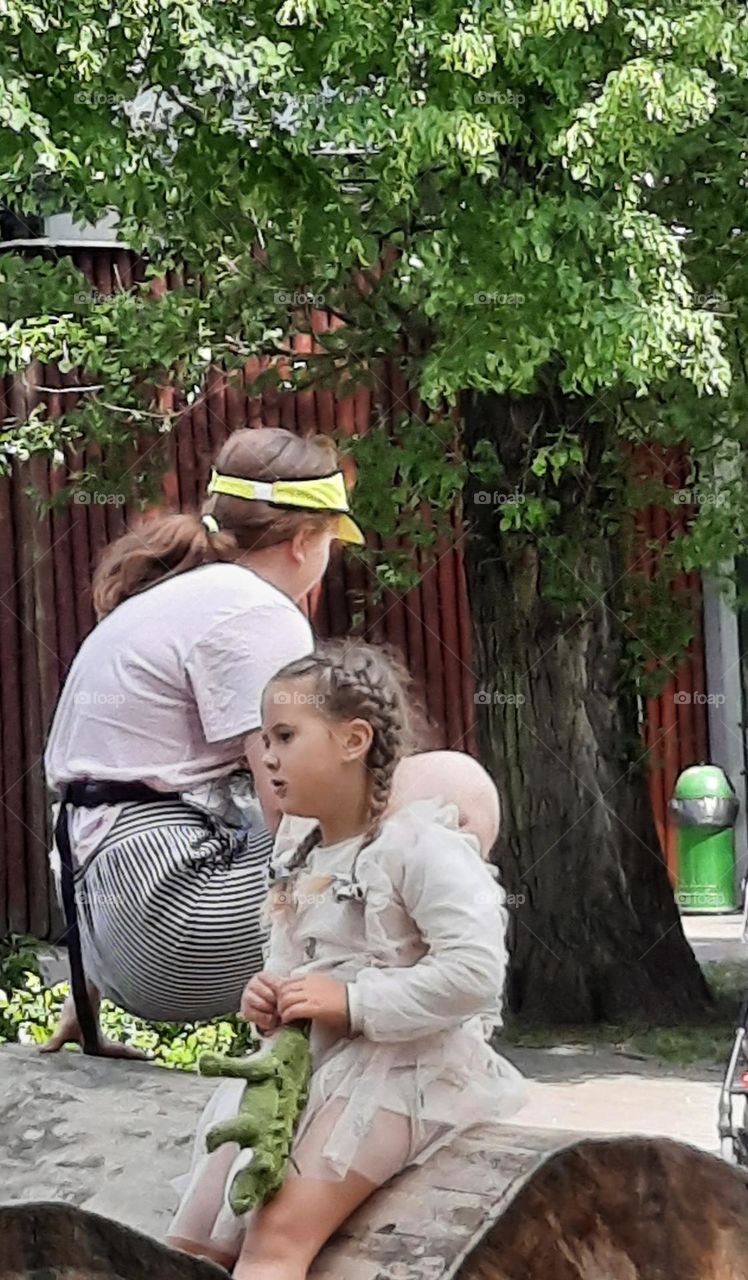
x: 306, y: 412
x: 216, y: 406
x: 446, y: 575
x: 701, y: 740
x: 199, y: 442
x: 13, y: 879
x: 356, y: 575
x: 467, y: 669
x: 28, y: 802
x: 48, y: 679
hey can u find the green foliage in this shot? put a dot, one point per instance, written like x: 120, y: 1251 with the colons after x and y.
x: 29, y: 1013
x: 18, y: 954
x: 414, y: 478
x: 561, y: 182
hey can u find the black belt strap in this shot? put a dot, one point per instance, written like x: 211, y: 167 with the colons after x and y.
x: 86, y: 1017
x: 87, y: 795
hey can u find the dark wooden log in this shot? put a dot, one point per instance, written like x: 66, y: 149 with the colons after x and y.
x: 52, y: 1241
x: 620, y: 1209
x: 601, y: 1209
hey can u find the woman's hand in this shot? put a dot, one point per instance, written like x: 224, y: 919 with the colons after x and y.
x: 260, y: 1001
x: 316, y: 996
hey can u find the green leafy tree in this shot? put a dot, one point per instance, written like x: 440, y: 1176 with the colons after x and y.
x: 557, y: 187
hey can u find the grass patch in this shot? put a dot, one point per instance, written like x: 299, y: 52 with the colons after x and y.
x: 706, y: 1041
x: 728, y: 983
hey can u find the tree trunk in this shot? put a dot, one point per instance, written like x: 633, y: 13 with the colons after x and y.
x: 595, y: 933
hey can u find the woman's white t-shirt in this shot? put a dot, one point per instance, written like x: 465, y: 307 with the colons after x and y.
x: 165, y: 688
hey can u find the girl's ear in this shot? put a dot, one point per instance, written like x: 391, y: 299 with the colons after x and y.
x: 355, y: 738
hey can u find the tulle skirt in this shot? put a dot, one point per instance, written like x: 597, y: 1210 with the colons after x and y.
x: 204, y: 1216
x: 373, y: 1109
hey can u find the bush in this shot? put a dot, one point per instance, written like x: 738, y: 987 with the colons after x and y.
x: 29, y: 1013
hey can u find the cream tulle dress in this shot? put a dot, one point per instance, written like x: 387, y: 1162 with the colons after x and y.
x: 414, y: 924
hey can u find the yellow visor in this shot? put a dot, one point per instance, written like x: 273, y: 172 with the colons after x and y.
x: 321, y: 493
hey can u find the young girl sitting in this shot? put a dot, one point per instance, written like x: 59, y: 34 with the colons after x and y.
x: 387, y: 932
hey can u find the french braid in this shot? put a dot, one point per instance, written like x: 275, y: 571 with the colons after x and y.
x: 355, y: 681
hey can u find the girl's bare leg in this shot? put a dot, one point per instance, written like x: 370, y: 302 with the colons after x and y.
x: 69, y: 1032
x: 226, y: 1260
x: 290, y: 1230
x: 195, y: 1226
x: 286, y: 1234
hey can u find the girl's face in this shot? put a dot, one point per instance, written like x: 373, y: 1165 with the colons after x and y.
x: 308, y: 755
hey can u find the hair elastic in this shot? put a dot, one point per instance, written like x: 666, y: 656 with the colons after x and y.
x: 211, y: 524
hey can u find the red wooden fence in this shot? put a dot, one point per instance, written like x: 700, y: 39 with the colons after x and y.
x: 675, y: 721
x: 45, y: 605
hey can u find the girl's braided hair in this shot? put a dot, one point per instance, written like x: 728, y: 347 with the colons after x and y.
x: 355, y: 680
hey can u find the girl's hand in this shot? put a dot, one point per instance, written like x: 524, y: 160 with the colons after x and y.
x: 315, y: 996
x: 260, y: 1001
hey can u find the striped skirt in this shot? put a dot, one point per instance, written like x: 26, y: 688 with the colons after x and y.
x: 169, y: 912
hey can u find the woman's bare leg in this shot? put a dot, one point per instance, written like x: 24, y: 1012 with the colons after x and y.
x: 289, y: 1231
x: 69, y: 1032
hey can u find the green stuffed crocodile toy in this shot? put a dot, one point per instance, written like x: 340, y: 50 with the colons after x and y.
x: 275, y: 1094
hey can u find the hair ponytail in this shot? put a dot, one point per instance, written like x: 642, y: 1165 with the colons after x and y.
x: 159, y: 548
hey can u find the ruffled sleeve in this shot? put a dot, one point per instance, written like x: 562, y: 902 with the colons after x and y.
x: 448, y: 891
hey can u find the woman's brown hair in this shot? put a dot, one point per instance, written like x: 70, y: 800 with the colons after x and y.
x: 171, y: 543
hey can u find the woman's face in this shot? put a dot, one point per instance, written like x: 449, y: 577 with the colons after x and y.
x: 307, y: 754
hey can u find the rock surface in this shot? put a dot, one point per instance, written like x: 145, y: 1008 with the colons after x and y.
x: 105, y: 1137
x: 108, y: 1136
x: 101, y: 1134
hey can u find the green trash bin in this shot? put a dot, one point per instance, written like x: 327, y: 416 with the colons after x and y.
x: 705, y: 808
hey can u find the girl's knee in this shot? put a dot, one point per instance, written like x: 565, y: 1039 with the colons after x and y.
x: 197, y: 1250
x: 279, y: 1231
x: 271, y: 1251
x: 291, y: 1228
